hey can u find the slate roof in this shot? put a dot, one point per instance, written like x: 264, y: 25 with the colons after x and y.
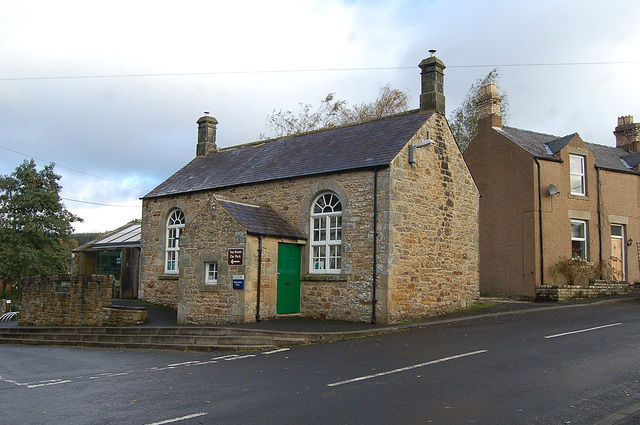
x: 545, y: 146
x: 260, y: 220
x: 614, y: 159
x: 365, y: 145
x: 532, y: 142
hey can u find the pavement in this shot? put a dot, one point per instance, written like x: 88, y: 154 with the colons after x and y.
x: 488, y: 307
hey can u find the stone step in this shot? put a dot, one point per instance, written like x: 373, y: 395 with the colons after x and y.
x: 161, y: 339
x: 191, y: 331
x: 247, y: 340
x: 134, y: 345
x: 187, y: 338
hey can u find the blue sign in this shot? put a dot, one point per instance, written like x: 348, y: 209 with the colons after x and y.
x: 238, y: 281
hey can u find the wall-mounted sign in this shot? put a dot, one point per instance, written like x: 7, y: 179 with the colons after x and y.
x: 235, y: 257
x: 238, y: 281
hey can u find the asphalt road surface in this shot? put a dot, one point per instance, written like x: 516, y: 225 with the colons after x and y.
x: 561, y: 366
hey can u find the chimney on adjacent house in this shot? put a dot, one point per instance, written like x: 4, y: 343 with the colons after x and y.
x: 432, y: 94
x: 627, y: 134
x: 206, y: 135
x: 489, y: 105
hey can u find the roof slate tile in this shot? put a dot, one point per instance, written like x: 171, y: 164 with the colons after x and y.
x: 260, y: 220
x: 606, y: 157
x: 371, y: 144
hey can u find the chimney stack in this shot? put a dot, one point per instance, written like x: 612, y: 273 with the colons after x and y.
x: 489, y: 105
x: 432, y: 95
x: 206, y: 135
x: 627, y: 134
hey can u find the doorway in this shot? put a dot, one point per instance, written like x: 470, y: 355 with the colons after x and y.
x: 289, y: 259
x: 618, y: 260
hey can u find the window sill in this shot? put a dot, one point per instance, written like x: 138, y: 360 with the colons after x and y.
x: 166, y: 276
x: 323, y: 277
x: 581, y: 197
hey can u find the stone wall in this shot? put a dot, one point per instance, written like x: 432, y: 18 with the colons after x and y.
x: 433, y: 222
x: 115, y: 315
x: 64, y: 300
x: 292, y: 199
x: 206, y: 238
x: 572, y: 292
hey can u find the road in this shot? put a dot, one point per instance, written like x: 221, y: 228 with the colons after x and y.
x: 567, y: 365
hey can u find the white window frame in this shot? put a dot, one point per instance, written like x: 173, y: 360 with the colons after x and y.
x: 579, y: 173
x: 325, y: 253
x: 583, y: 240
x: 175, y: 227
x: 211, y: 273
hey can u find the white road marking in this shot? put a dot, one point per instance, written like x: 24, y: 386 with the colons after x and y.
x: 182, y: 418
x: 404, y: 369
x: 276, y: 351
x: 241, y: 357
x: 225, y: 357
x: 183, y: 363
x: 214, y: 360
x: 582, y: 330
x: 49, y: 384
x: 109, y: 375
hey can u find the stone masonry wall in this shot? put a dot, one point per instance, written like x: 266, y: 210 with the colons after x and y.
x: 206, y: 238
x: 349, y: 297
x: 292, y: 199
x: 64, y: 300
x: 433, y: 257
x: 572, y: 292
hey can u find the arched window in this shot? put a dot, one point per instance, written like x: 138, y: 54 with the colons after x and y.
x: 326, y: 234
x: 175, y: 226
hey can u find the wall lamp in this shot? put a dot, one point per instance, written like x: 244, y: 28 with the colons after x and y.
x: 412, y: 149
x: 629, y: 242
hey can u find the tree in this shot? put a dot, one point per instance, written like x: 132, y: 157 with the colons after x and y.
x: 333, y: 112
x: 463, y: 121
x: 35, y: 227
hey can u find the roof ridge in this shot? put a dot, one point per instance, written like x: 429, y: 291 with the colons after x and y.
x: 531, y: 131
x: 319, y: 130
x: 608, y: 146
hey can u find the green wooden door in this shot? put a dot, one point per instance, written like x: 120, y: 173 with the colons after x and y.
x: 289, y: 259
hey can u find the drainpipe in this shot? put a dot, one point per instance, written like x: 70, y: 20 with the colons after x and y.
x: 374, y: 300
x: 599, y: 218
x: 259, y: 277
x: 540, y: 224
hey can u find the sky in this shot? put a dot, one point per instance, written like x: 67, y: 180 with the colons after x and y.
x: 111, y: 91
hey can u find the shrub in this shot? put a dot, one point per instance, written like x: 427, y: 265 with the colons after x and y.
x: 575, y: 268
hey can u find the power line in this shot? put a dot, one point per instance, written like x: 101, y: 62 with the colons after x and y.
x: 102, y: 205
x: 73, y: 169
x: 285, y: 71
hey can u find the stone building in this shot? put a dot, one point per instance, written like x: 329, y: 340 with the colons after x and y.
x: 375, y: 221
x: 546, y: 199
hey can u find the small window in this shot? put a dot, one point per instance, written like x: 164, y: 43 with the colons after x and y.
x: 579, y: 239
x: 577, y: 175
x: 212, y: 273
